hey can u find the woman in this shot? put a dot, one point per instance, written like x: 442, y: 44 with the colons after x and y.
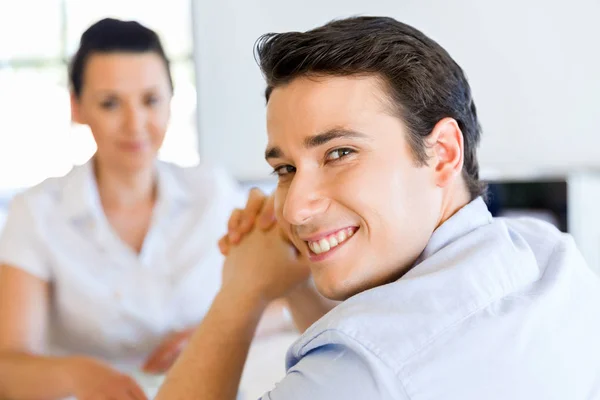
x: 110, y: 268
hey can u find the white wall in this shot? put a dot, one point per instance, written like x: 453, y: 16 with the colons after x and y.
x: 534, y: 67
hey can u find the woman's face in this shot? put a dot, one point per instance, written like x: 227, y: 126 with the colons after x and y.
x: 125, y: 100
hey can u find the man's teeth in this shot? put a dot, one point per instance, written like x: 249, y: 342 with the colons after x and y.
x: 331, y: 241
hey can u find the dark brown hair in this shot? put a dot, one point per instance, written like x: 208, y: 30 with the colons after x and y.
x: 111, y: 35
x: 424, y: 83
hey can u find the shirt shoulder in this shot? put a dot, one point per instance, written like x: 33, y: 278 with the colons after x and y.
x: 544, y: 238
x: 203, y: 181
x: 30, y: 213
x: 44, y: 197
x: 338, y: 368
x: 469, y: 309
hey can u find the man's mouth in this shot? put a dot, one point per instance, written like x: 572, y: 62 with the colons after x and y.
x: 331, y: 241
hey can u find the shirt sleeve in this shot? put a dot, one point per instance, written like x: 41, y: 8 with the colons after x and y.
x: 337, y: 372
x: 20, y: 244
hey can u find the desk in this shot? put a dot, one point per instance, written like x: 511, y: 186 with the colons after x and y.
x: 265, y: 366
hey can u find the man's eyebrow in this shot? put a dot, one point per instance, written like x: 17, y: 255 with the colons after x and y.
x: 336, y: 133
x: 318, y: 140
x: 273, y: 152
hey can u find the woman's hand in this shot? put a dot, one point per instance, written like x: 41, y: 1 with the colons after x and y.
x: 167, y: 352
x: 94, y: 380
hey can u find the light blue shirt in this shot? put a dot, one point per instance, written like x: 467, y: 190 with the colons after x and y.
x: 493, y: 309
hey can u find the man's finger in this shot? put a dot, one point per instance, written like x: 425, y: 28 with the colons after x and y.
x: 233, y: 225
x: 254, y: 205
x: 267, y: 215
x: 224, y: 245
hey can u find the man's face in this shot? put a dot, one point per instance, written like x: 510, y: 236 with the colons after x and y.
x: 350, y: 195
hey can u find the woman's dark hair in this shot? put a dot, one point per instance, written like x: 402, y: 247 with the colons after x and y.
x: 423, y: 82
x: 113, y: 36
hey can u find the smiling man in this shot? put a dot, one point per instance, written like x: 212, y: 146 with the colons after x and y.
x: 373, y: 133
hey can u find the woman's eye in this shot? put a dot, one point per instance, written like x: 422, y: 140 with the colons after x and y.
x: 339, y: 153
x: 152, y: 100
x: 108, y: 104
x: 284, y: 170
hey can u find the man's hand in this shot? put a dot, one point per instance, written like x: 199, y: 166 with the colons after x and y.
x: 263, y: 265
x: 253, y: 232
x: 261, y: 268
x: 305, y: 303
x: 259, y: 212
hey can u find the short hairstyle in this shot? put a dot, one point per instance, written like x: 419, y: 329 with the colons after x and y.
x: 423, y: 82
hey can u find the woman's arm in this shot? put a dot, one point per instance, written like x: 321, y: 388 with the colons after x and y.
x: 23, y: 321
x: 24, y: 310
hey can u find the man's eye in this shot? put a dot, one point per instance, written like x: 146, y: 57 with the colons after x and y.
x: 339, y: 153
x: 284, y: 170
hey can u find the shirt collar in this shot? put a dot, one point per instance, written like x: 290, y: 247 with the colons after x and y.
x: 80, y: 196
x: 472, y: 216
x: 171, y: 190
x: 480, y: 257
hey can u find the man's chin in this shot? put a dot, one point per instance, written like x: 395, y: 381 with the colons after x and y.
x: 334, y: 288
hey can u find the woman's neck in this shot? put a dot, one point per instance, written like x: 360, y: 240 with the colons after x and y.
x: 119, y: 188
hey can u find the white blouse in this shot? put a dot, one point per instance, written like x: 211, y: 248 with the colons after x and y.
x: 107, y: 300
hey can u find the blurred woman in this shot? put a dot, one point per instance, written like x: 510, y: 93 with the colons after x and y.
x: 110, y: 268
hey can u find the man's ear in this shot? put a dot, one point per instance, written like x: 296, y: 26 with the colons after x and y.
x: 75, y: 109
x: 446, y: 149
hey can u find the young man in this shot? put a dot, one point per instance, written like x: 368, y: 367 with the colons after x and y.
x: 373, y: 134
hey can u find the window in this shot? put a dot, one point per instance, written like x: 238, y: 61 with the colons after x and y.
x: 37, y: 138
